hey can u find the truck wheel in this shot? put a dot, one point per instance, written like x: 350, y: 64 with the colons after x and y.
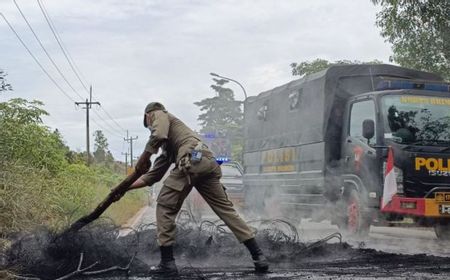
x: 442, y: 231
x: 354, y: 222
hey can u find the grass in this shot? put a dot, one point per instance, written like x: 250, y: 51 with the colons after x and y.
x: 30, y: 197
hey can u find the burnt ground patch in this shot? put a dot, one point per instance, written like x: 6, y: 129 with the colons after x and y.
x: 207, y: 251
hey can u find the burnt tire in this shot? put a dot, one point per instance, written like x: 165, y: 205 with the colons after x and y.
x: 442, y: 231
x: 353, y: 220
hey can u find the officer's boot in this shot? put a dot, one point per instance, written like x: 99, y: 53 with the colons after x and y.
x: 260, y: 261
x: 167, y: 266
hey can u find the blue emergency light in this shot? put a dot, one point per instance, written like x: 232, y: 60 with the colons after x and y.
x: 221, y: 160
x: 209, y: 135
x: 407, y: 84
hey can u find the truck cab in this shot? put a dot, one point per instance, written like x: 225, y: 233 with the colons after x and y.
x: 317, y: 147
x: 413, y: 119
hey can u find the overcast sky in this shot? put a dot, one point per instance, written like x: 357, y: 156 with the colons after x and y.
x: 135, y: 52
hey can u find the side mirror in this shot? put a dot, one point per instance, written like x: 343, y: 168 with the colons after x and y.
x: 368, y: 128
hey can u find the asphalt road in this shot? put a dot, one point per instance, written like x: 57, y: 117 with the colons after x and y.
x: 418, y: 244
x: 400, y: 240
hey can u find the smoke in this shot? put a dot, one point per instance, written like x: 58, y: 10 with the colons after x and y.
x: 203, y: 250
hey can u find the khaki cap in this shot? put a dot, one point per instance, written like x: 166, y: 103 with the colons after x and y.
x: 153, y: 106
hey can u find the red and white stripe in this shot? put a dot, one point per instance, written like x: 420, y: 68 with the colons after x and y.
x: 390, y: 183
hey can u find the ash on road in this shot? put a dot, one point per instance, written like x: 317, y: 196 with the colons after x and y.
x: 208, y: 251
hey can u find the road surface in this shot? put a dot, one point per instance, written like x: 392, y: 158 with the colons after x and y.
x: 398, y: 253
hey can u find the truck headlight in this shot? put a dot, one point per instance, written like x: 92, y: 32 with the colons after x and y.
x: 398, y: 177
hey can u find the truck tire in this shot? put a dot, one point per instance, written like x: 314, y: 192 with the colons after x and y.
x: 353, y: 220
x: 442, y: 231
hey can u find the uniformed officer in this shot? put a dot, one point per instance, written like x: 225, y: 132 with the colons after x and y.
x: 194, y: 166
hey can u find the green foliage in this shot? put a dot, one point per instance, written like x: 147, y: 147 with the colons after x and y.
x: 4, y: 86
x: 310, y: 67
x: 24, y: 139
x: 222, y: 115
x: 31, y: 197
x: 101, y: 153
x: 22, y: 111
x: 42, y: 182
x: 100, y: 146
x: 419, y: 32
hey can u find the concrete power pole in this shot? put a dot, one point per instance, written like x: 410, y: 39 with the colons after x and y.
x: 88, y: 106
x: 130, y: 140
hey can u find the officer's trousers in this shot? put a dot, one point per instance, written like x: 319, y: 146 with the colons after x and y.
x: 176, y: 188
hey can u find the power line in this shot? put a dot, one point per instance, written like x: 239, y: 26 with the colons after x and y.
x: 88, y: 106
x: 36, y: 60
x: 106, y: 129
x: 109, y: 125
x: 67, y: 55
x: 130, y: 140
x: 60, y: 43
x: 112, y: 119
x: 101, y: 127
x: 45, y: 50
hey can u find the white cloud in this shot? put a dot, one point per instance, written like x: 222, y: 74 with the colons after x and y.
x: 134, y: 52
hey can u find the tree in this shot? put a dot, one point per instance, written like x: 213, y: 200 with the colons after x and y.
x: 419, y: 32
x: 222, y: 113
x: 23, y: 111
x: 310, y: 67
x: 4, y: 86
x: 25, y: 140
x: 222, y: 116
x: 100, y: 146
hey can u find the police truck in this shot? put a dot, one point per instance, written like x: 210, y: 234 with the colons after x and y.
x: 319, y: 147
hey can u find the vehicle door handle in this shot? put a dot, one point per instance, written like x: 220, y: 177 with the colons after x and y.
x: 349, y: 140
x: 347, y: 159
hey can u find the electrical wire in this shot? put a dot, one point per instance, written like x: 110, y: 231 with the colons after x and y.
x: 103, y: 128
x: 64, y: 50
x: 111, y: 118
x: 44, y: 49
x: 106, y: 131
x: 114, y: 131
x: 36, y: 60
x: 67, y: 55
x: 109, y: 125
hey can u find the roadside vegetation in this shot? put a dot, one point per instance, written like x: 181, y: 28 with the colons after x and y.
x: 44, y: 183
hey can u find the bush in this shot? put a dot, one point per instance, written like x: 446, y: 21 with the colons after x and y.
x: 31, y: 197
x: 42, y: 181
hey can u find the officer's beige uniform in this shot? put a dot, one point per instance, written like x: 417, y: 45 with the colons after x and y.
x: 177, y: 141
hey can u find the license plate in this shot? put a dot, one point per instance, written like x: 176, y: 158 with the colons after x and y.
x: 442, y: 197
x: 444, y: 209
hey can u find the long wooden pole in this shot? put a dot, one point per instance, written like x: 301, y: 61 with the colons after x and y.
x: 85, y: 220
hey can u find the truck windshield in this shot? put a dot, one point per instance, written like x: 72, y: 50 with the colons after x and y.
x: 416, y: 120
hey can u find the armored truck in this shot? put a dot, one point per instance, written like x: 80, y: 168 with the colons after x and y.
x: 317, y: 147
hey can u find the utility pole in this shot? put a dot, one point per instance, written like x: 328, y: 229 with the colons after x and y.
x: 126, y: 162
x: 130, y: 140
x: 88, y: 106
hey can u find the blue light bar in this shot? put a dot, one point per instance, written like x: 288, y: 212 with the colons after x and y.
x: 221, y: 160
x: 409, y: 84
x: 209, y: 135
